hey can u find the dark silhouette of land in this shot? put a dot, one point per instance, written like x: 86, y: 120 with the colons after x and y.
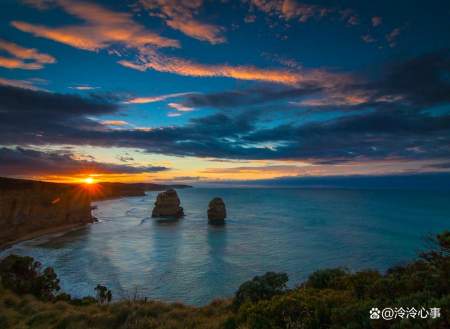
x: 31, y: 208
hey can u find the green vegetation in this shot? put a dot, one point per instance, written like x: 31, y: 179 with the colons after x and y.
x: 331, y: 298
x: 260, y: 288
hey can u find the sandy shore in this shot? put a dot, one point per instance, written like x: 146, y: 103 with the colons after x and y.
x: 43, y: 232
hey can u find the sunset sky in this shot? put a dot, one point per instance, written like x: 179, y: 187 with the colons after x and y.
x: 199, y: 91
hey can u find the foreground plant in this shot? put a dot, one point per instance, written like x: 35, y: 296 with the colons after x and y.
x: 330, y: 298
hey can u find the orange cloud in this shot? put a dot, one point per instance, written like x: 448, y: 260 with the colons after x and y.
x: 336, y: 100
x: 179, y: 15
x: 153, y: 99
x: 187, y: 68
x: 20, y: 54
x: 114, y: 123
x: 180, y: 107
x: 14, y: 63
x: 74, y: 36
x: 102, y: 28
x: 25, y: 53
x: 161, y: 63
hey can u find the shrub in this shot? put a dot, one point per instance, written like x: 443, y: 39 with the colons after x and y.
x: 328, y: 278
x: 261, y: 287
x: 63, y: 297
x: 337, y: 298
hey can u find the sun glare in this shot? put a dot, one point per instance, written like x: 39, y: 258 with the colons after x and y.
x: 89, y: 180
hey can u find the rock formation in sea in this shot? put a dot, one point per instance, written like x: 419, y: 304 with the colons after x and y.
x: 216, y: 211
x: 168, y: 205
x: 31, y: 208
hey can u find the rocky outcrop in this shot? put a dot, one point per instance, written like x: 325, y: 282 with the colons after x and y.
x: 217, y: 211
x: 168, y: 205
x: 32, y: 208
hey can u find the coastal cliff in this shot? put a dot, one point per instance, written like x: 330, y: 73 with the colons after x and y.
x: 31, y: 208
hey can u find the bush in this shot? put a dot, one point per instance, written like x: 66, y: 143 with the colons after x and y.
x: 337, y: 298
x: 260, y: 288
x: 328, y: 278
x: 63, y: 297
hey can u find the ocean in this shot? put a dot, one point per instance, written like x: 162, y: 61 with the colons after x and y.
x: 290, y: 230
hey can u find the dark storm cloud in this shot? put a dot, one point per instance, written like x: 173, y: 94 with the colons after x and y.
x: 422, y: 81
x: 21, y: 161
x: 26, y: 101
x: 394, y: 122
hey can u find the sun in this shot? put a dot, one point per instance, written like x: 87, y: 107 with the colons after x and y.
x: 89, y: 180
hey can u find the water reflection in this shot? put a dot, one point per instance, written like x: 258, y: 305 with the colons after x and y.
x: 295, y: 231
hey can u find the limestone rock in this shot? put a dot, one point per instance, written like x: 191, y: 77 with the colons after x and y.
x: 216, y: 211
x: 168, y: 205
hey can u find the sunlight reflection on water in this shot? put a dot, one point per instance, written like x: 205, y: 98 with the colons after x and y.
x: 291, y: 230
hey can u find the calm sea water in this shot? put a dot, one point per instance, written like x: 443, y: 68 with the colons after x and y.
x: 295, y: 231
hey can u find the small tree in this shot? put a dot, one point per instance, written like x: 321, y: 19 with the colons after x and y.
x: 23, y: 275
x: 104, y: 295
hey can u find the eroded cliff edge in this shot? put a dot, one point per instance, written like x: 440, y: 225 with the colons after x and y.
x: 31, y: 208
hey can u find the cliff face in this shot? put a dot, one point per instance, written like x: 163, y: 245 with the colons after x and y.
x: 30, y: 208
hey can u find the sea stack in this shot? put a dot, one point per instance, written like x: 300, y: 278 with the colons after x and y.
x: 216, y: 211
x: 168, y: 205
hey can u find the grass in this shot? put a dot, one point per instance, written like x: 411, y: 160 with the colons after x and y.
x: 28, y: 312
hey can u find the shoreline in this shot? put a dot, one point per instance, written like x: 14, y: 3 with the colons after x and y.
x: 60, y: 229
x: 43, y: 232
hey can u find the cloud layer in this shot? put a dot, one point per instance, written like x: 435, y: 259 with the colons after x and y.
x: 394, y: 122
x: 102, y: 28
